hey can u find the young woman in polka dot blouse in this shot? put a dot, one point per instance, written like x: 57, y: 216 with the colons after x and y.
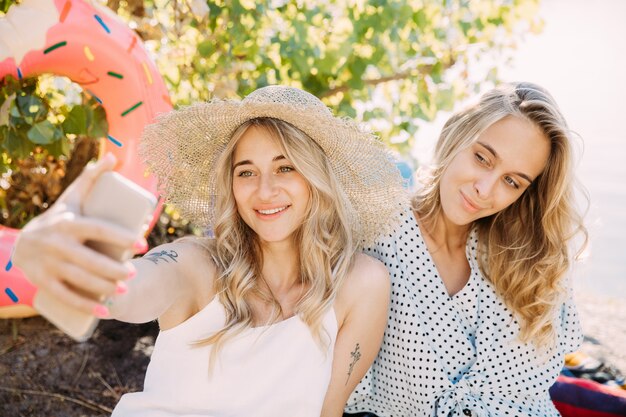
x: 481, y: 311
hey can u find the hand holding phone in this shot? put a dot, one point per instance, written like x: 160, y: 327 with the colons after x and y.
x: 115, y: 199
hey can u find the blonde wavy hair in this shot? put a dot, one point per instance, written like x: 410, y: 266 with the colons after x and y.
x: 525, y: 249
x: 325, y: 237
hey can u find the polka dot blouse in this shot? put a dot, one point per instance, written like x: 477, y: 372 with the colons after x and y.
x: 455, y: 356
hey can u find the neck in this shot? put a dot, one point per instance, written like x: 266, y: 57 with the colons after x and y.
x: 444, y: 234
x: 281, y: 266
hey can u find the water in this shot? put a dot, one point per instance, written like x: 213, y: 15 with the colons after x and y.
x: 580, y: 57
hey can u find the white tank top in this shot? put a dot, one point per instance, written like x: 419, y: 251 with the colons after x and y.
x: 267, y: 371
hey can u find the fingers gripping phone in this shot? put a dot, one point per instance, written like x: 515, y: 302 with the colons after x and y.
x: 117, y: 200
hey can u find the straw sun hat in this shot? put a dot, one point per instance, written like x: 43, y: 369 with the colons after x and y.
x: 182, y: 149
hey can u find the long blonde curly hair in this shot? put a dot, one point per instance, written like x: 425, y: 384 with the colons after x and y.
x: 525, y: 249
x: 325, y: 237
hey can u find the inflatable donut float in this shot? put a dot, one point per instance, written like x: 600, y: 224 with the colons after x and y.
x: 91, y: 46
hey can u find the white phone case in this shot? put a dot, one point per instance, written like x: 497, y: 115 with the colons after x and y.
x: 117, y: 200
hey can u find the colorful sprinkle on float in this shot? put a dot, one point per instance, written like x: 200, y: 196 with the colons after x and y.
x: 91, y: 46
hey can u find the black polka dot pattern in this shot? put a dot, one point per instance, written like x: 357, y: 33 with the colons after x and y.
x: 455, y: 356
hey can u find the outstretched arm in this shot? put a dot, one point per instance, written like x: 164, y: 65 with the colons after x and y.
x: 172, y: 282
x: 51, y: 251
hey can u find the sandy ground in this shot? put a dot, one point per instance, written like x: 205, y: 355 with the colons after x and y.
x: 603, y: 321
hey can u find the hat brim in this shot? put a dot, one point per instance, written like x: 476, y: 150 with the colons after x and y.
x: 182, y: 149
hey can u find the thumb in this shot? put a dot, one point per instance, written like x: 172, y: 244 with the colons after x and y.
x: 81, y: 186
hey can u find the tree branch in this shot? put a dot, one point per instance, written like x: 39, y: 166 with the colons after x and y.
x: 373, y: 82
x: 84, y: 403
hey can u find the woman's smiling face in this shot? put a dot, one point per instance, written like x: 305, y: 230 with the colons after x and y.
x: 494, y: 171
x: 272, y: 197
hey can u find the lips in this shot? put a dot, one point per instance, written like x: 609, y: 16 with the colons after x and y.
x: 469, y: 204
x: 273, y: 210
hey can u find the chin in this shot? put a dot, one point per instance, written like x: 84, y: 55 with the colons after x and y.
x: 275, y: 237
x: 459, y: 218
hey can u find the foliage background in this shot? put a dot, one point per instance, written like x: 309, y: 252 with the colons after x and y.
x: 48, y: 135
x: 388, y: 63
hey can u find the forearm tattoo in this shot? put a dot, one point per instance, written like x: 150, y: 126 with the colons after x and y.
x: 164, y: 255
x: 356, y: 355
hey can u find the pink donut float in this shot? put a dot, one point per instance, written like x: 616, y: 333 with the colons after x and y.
x: 91, y: 46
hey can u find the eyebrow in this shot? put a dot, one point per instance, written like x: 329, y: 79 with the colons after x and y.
x: 495, y: 154
x: 249, y: 161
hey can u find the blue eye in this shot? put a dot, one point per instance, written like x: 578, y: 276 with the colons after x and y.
x: 245, y: 174
x: 286, y: 168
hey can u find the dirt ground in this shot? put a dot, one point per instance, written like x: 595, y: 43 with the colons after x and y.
x: 45, y: 373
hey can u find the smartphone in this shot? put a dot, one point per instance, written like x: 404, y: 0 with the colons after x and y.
x: 115, y: 199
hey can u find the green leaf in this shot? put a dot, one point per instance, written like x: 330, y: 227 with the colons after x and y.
x: 5, y: 5
x: 17, y: 145
x: 326, y: 64
x: 206, y: 48
x: 465, y: 27
x: 98, y: 126
x: 76, y: 121
x: 15, y: 118
x: 4, y: 130
x: 214, y: 11
x: 345, y: 109
x: 445, y: 99
x: 43, y: 133
x: 32, y: 109
x: 420, y: 19
x: 60, y: 147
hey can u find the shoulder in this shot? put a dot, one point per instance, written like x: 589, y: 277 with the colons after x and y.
x: 367, y: 283
x: 406, y: 228
x: 198, y: 256
x: 191, y: 258
x: 189, y: 264
x: 188, y: 252
x: 367, y: 271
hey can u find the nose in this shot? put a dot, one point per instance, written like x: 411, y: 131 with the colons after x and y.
x: 484, y: 186
x: 268, y: 187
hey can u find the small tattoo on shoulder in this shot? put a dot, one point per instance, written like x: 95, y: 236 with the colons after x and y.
x: 356, y: 355
x: 164, y: 255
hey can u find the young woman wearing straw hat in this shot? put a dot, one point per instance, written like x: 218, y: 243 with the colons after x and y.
x: 279, y: 313
x: 481, y: 312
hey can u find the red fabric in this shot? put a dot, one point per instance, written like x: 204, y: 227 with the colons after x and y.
x: 568, y: 410
x: 577, y: 397
x: 593, y: 386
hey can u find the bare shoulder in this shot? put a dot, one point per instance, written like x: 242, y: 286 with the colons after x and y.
x: 190, y: 259
x: 186, y: 272
x: 367, y: 272
x: 180, y: 251
x: 367, y: 283
x: 195, y: 256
